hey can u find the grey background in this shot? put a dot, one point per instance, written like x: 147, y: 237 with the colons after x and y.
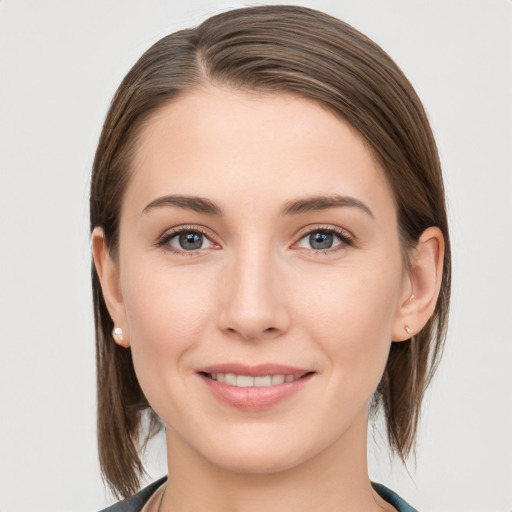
x: 61, y: 61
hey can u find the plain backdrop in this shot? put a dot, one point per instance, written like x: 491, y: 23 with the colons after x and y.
x: 61, y: 61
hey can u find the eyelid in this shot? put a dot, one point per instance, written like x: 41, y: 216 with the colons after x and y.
x: 167, y: 235
x: 347, y: 238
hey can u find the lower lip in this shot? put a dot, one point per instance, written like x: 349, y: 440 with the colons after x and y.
x: 257, y: 397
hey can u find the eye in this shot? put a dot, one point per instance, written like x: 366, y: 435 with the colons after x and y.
x: 324, y: 240
x: 186, y: 240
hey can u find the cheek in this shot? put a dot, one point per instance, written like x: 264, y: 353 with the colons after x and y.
x: 165, y: 322
x: 351, y: 318
x: 163, y: 302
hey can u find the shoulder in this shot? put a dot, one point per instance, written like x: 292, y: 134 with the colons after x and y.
x: 136, y: 502
x: 392, y: 498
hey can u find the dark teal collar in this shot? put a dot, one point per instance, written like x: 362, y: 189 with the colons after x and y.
x: 392, y: 498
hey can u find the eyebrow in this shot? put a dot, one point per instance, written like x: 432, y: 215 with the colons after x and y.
x: 316, y: 203
x: 196, y: 204
x: 294, y: 207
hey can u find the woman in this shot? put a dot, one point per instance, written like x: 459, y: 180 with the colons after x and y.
x: 271, y: 265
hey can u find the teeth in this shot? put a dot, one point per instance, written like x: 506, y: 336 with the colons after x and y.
x: 246, y: 381
x: 243, y: 381
x: 263, y: 381
x: 277, y: 379
x: 229, y: 378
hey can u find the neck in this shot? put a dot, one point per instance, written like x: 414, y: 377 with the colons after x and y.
x: 335, y: 480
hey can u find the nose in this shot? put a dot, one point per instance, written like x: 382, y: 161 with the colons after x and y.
x: 254, y: 299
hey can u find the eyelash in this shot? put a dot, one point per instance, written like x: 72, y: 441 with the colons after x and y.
x: 168, y: 236
x: 346, y: 239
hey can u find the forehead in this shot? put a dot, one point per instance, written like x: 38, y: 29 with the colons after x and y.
x: 262, y: 147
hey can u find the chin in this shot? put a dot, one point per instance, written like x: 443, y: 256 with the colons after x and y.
x: 262, y: 462
x: 261, y: 453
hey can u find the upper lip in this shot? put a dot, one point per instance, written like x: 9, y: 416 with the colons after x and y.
x: 259, y: 370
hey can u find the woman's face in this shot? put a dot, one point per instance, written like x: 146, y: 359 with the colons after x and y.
x: 260, y: 277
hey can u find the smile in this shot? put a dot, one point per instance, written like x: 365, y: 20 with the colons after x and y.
x: 254, y: 388
x: 247, y: 381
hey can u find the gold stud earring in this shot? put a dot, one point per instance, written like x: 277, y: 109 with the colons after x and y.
x: 117, y: 334
x: 408, y: 330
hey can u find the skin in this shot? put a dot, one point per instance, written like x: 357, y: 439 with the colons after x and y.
x: 258, y: 292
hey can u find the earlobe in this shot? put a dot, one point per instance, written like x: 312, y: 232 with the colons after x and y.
x: 108, y: 275
x: 423, y: 284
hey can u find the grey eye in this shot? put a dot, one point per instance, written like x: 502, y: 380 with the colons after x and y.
x: 320, y: 240
x: 189, y: 241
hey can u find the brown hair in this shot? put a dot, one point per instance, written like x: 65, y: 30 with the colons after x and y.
x: 271, y: 49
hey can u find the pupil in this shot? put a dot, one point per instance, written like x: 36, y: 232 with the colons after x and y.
x: 320, y: 240
x: 191, y: 241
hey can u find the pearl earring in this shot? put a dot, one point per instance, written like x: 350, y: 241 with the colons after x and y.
x: 408, y: 330
x: 117, y: 334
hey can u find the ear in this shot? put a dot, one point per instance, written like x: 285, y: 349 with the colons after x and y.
x: 421, y: 285
x: 108, y: 274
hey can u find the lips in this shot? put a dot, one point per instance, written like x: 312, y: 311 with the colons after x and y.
x: 253, y: 387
